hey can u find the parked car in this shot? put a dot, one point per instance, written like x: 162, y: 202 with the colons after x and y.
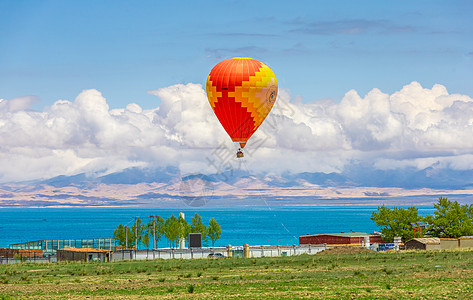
x: 215, y: 255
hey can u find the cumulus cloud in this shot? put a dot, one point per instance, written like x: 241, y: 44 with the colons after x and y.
x: 414, y: 127
x: 19, y: 103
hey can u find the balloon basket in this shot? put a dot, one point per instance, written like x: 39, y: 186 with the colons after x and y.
x: 239, y: 154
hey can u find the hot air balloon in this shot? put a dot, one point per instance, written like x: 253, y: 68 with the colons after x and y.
x: 242, y: 92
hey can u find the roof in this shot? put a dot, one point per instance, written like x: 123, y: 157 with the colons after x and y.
x: 344, y: 234
x: 427, y: 240
x: 88, y: 250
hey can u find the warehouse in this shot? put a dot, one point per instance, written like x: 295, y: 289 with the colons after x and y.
x: 342, y: 238
x: 49, y: 247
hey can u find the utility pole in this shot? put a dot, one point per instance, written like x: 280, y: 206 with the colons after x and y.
x: 154, y: 230
x: 126, y: 237
x: 136, y: 231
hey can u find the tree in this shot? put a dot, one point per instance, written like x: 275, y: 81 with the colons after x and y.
x: 214, y: 231
x: 197, y: 226
x: 160, y: 226
x: 145, y: 239
x: 155, y: 228
x: 139, y: 229
x: 450, y: 219
x: 120, y: 235
x: 396, y: 222
x: 171, y: 230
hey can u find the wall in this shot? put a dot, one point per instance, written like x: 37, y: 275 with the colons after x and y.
x: 323, y: 239
x: 466, y: 242
x: 432, y: 247
x: 336, y: 240
x: 255, y: 251
x: 6, y: 252
x: 449, y: 243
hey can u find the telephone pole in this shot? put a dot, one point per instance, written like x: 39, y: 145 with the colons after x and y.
x: 126, y: 237
x: 136, y: 231
x: 154, y: 230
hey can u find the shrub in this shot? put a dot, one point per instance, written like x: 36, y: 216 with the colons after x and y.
x: 190, y: 289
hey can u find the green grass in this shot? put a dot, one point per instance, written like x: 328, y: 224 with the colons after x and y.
x: 407, y: 275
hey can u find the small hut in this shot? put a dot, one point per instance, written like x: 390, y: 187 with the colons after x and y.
x: 83, y: 254
x: 425, y: 243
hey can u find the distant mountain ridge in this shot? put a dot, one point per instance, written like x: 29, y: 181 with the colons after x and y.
x: 167, y: 187
x: 356, y: 177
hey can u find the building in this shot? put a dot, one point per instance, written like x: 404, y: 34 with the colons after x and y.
x: 342, y: 238
x: 425, y: 243
x: 49, y: 247
x: 83, y: 254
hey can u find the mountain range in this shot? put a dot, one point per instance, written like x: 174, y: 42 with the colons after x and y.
x: 164, y: 187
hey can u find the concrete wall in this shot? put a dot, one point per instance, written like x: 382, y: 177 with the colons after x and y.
x: 432, y: 247
x: 466, y: 242
x: 167, y: 253
x: 268, y: 251
x: 449, y: 243
x: 255, y: 251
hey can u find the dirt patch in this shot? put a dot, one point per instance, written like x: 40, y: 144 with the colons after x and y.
x: 345, y: 250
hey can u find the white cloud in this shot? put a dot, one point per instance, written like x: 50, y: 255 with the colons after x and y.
x: 19, y: 103
x: 414, y: 127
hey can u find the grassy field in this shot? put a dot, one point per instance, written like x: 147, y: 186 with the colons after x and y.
x: 407, y: 275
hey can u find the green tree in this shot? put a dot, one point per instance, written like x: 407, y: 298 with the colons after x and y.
x: 145, y: 239
x: 396, y: 222
x: 197, y: 226
x: 138, y: 230
x: 120, y: 235
x: 171, y: 230
x: 149, y: 234
x: 160, y: 226
x: 156, y: 228
x: 214, y: 231
x: 450, y: 219
x: 184, y: 228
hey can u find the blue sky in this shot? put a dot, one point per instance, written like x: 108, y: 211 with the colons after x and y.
x: 318, y: 49
x: 100, y: 86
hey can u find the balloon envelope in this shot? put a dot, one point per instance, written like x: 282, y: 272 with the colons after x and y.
x: 242, y: 92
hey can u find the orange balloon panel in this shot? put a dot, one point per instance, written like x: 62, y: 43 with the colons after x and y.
x: 242, y: 92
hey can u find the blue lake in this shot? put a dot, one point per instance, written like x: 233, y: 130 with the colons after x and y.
x: 252, y: 225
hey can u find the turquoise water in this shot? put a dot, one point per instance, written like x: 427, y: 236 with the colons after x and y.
x: 240, y: 225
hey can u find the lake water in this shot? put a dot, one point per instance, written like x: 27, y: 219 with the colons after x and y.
x: 240, y: 225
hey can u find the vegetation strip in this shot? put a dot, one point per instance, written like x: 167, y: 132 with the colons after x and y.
x: 367, y: 275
